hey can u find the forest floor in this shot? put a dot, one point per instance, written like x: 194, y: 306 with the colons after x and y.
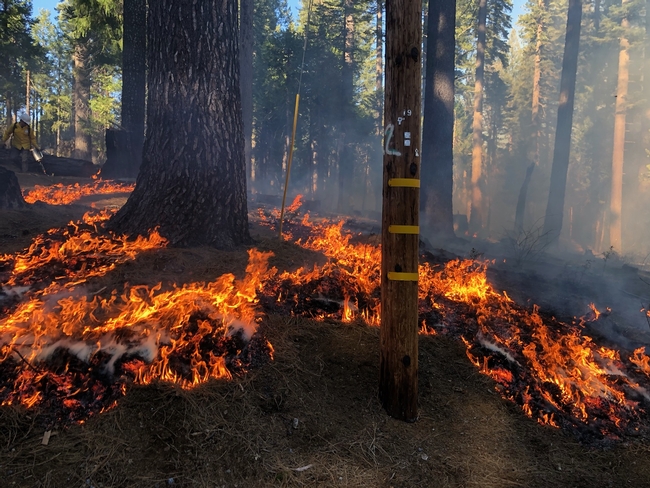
x: 311, y: 416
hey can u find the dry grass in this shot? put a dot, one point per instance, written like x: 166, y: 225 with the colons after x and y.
x: 325, y: 374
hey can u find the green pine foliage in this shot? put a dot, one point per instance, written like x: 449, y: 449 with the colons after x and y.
x: 18, y: 52
x: 52, y: 85
x: 278, y: 66
x: 341, y: 128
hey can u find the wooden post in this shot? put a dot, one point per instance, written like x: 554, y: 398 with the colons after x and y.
x: 398, y: 382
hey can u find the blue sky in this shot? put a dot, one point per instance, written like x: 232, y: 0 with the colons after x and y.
x: 50, y: 4
x: 294, y: 4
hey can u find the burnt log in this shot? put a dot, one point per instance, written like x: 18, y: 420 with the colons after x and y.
x: 53, y: 165
x: 10, y: 194
x: 65, y: 167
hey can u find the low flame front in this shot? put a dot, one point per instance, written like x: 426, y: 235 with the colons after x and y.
x: 60, y: 194
x: 552, y: 369
x: 59, y: 337
x: 60, y: 340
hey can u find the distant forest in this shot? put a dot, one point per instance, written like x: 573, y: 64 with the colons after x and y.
x: 68, y: 75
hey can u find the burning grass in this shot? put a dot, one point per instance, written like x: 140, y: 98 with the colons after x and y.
x: 324, y: 373
x: 60, y: 194
x: 60, y: 341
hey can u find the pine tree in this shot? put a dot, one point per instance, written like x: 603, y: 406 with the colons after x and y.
x: 94, y: 28
x: 438, y: 123
x: 18, y: 53
x: 192, y: 183
x: 555, y: 208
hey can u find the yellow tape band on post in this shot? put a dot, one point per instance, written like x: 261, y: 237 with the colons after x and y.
x: 404, y: 229
x: 404, y: 182
x: 393, y: 276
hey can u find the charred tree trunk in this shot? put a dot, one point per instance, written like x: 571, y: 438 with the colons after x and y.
x: 555, y: 207
x: 521, y: 200
x: 134, y: 81
x: 192, y: 183
x: 616, y: 199
x: 246, y: 75
x: 10, y: 194
x: 81, y: 88
x: 398, y: 378
x: 477, y: 216
x: 438, y: 131
x: 346, y: 155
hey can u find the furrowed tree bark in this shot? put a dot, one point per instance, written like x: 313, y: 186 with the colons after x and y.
x: 246, y: 75
x: 192, y: 183
x: 134, y: 81
x: 555, y: 207
x: 398, y: 380
x: 477, y: 216
x: 618, y: 156
x: 81, y: 87
x: 438, y: 131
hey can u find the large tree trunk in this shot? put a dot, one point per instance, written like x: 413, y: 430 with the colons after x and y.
x: 616, y: 199
x: 246, y: 75
x: 134, y: 81
x: 477, y: 217
x: 346, y: 155
x: 81, y: 88
x: 192, y: 183
x: 438, y: 130
x: 555, y: 207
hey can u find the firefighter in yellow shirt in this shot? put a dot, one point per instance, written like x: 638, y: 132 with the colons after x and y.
x: 23, y: 141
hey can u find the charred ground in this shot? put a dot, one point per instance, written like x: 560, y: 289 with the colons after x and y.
x: 309, y: 417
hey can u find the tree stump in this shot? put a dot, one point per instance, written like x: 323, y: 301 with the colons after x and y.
x: 10, y: 194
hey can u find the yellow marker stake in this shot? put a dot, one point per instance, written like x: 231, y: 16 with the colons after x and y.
x: 286, y: 180
x: 404, y: 183
x: 395, y: 276
x: 404, y: 229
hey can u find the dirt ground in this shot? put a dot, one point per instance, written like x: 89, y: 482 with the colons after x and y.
x: 310, y: 417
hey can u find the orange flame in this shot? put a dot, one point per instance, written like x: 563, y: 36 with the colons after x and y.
x: 60, y: 194
x: 553, y: 370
